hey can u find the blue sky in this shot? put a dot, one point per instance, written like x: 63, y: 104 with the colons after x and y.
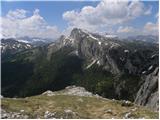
x: 53, y: 13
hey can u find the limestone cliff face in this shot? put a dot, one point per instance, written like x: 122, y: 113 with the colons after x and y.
x: 148, y: 93
x: 114, y: 55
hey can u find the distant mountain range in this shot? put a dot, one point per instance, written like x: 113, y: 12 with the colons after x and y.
x: 145, y: 38
x: 12, y: 46
x: 35, y: 40
x: 112, y: 68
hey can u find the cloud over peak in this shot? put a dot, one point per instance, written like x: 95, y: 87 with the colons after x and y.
x: 106, y: 13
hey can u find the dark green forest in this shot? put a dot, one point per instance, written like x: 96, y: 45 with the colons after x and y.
x: 23, y: 77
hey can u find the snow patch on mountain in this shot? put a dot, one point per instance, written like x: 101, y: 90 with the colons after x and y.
x: 150, y: 67
x: 99, y: 43
x: 94, y: 61
x: 91, y: 36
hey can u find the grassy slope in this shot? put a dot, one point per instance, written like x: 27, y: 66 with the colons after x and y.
x: 83, y: 107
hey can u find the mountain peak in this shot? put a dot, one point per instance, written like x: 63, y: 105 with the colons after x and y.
x: 78, y: 31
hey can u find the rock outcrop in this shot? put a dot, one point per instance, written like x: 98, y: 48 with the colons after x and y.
x: 71, y: 90
x: 148, y: 93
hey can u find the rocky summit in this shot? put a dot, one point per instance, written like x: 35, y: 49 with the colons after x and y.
x: 70, y: 90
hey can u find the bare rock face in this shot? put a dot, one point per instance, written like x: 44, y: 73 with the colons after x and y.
x: 148, y: 93
x: 78, y: 91
x: 115, y: 56
x: 153, y: 101
x: 93, y: 47
x: 71, y: 90
x: 48, y: 93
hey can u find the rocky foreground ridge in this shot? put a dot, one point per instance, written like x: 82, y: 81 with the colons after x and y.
x: 72, y: 102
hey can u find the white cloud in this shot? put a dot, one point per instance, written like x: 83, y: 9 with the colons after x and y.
x: 127, y: 29
x: 157, y: 15
x: 136, y: 9
x: 17, y: 24
x: 148, y: 29
x: 17, y: 14
x: 149, y: 11
x: 107, y: 13
x: 151, y: 28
